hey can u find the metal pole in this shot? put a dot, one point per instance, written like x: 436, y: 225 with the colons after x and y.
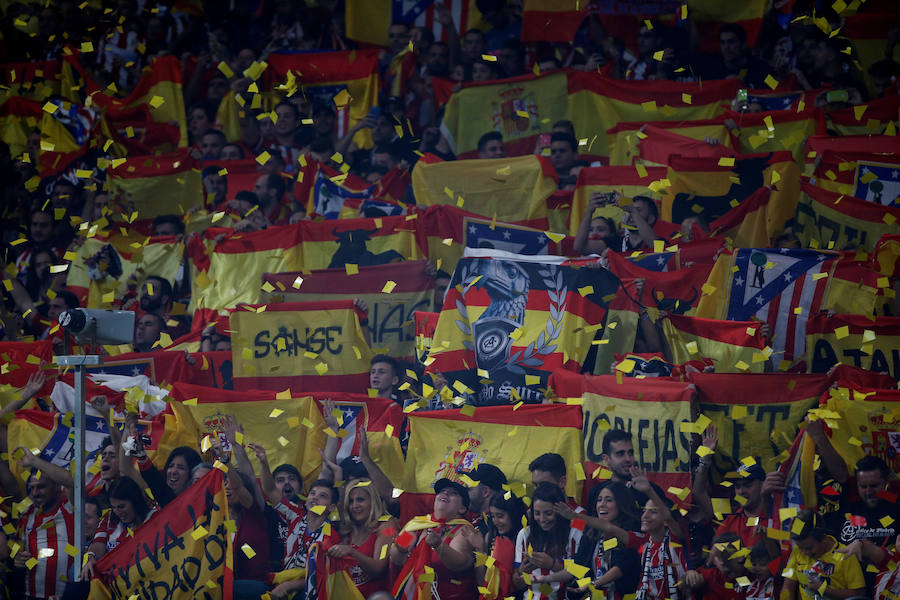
x: 78, y: 425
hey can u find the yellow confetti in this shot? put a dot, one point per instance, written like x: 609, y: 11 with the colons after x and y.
x: 157, y: 101
x: 771, y: 82
x: 389, y: 287
x: 352, y: 269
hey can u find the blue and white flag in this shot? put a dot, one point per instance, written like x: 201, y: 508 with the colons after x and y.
x: 479, y: 233
x: 884, y: 188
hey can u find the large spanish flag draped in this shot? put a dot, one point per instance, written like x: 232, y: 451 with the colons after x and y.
x: 393, y: 293
x: 830, y: 220
x: 520, y: 108
x: 450, y: 443
x: 711, y: 186
x: 137, y: 255
x: 513, y: 190
x: 300, y: 345
x: 167, y: 184
x: 291, y: 427
x: 751, y: 420
x: 597, y: 103
x: 623, y: 180
x: 159, y: 89
x: 867, y: 424
x: 653, y: 411
x: 348, y: 79
x: 856, y: 340
x: 184, y: 549
x: 507, y: 322
x: 734, y: 346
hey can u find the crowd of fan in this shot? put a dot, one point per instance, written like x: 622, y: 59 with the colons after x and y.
x: 629, y: 538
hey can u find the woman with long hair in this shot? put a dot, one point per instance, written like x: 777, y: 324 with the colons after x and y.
x: 129, y: 510
x: 614, y: 570
x: 544, y: 545
x: 504, y: 524
x: 363, y: 530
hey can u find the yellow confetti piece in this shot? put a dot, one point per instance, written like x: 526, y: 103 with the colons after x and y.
x: 87, y: 47
x: 352, y: 269
x: 842, y: 332
x: 771, y: 82
x: 658, y: 55
x: 157, y: 101
x: 726, y: 161
x: 321, y: 368
x: 263, y: 158
x: 199, y: 532
x: 489, y: 57
x: 859, y: 111
x: 276, y: 412
x: 641, y: 170
x: 389, y: 287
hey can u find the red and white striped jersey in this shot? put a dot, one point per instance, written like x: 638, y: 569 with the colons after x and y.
x: 112, y: 534
x: 45, y: 535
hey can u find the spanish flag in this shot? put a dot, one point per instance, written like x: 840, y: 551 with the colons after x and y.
x: 520, y: 108
x: 597, y: 103
x: 191, y: 534
x: 869, y: 33
x: 735, y: 401
x: 452, y: 443
x: 748, y: 225
x: 512, y: 190
x: 711, y: 187
x: 777, y: 130
x: 18, y: 117
x: 831, y: 220
x: 875, y: 117
x: 328, y: 578
x: 289, y: 425
x: 159, y: 89
x: 734, y: 346
x: 660, y: 140
x: 393, y: 293
x: 623, y: 180
x: 820, y: 145
x: 855, y: 340
x: 164, y: 184
x: 509, y: 320
x: 654, y: 411
x: 348, y: 80
x: 300, y: 345
x: 552, y: 20
x: 354, y: 243
x: 228, y: 272
x: 867, y: 423
x: 100, y: 283
x: 35, y: 80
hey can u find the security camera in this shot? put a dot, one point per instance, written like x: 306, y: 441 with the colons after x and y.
x: 96, y: 326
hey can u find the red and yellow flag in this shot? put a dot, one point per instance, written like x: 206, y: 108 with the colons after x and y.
x: 392, y: 292
x: 712, y: 187
x: 709, y: 15
x: 166, y: 184
x: 856, y: 340
x: 734, y: 346
x: 452, y: 443
x: 867, y: 423
x: 552, y: 20
x: 830, y: 220
x: 289, y: 425
x: 300, y: 345
x: 348, y: 79
x: 185, y: 548
x: 654, y: 411
x: 512, y: 190
x: 626, y: 181
x: 777, y: 130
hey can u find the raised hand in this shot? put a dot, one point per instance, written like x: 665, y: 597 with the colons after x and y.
x: 711, y: 437
x: 260, y: 452
x: 35, y: 383
x: 639, y: 480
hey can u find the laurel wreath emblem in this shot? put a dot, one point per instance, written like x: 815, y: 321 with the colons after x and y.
x: 533, y: 355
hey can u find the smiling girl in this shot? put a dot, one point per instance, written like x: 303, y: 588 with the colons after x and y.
x: 543, y: 546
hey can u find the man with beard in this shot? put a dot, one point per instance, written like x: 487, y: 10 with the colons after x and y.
x: 156, y: 296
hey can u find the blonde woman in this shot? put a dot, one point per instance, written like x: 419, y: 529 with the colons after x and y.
x: 364, y: 522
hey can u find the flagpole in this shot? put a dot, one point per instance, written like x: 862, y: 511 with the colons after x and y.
x: 80, y: 362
